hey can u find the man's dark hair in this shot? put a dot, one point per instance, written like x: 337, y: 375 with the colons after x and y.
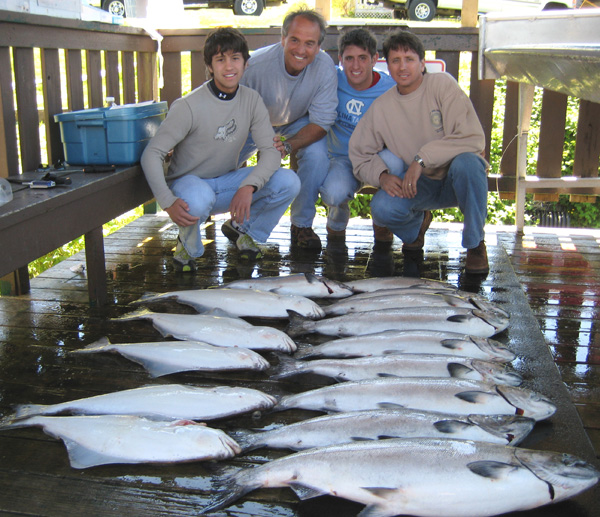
x: 403, y: 40
x: 311, y: 16
x: 361, y: 38
x: 223, y: 40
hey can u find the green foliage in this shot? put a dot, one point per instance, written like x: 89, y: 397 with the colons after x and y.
x: 51, y: 259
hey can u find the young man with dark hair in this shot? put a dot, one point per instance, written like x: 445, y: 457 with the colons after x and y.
x: 422, y: 143
x: 358, y: 86
x: 206, y: 130
x: 298, y: 83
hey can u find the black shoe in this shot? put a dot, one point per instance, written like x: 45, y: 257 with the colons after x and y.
x: 230, y: 232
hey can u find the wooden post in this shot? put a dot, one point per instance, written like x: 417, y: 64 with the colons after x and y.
x: 323, y: 7
x: 468, y: 15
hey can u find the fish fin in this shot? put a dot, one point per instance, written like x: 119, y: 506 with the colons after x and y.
x: 361, y: 439
x: 459, y: 371
x: 452, y: 344
x: 82, y: 457
x: 96, y: 346
x: 389, y: 405
x: 297, y: 325
x: 491, y: 469
x: 230, y: 490
x: 380, y: 491
x: 451, y: 426
x: 373, y: 510
x: 475, y: 397
x: 311, y: 278
x: 458, y: 318
x: 306, y: 492
x: 307, y: 353
x: 383, y: 374
x: 213, y: 311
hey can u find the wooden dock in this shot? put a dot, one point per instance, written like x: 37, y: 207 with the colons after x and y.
x: 548, y: 280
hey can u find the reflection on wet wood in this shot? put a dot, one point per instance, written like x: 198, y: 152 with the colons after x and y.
x: 549, y: 282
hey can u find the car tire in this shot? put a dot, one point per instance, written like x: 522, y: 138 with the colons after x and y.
x: 115, y: 7
x: 248, y: 7
x: 421, y: 10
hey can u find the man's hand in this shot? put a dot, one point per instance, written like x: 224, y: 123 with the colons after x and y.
x: 239, y: 208
x: 278, y: 144
x: 179, y: 213
x: 398, y: 187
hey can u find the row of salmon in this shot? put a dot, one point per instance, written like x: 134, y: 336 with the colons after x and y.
x: 446, y: 401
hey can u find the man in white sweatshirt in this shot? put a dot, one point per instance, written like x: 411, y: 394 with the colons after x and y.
x: 206, y: 131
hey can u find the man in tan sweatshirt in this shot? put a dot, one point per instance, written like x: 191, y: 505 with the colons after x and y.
x: 421, y: 144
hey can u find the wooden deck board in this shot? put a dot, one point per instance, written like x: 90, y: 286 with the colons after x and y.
x: 551, y: 293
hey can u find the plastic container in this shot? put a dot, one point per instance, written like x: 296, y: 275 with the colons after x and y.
x: 109, y: 136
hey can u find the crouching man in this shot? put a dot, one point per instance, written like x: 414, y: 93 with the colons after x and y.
x: 206, y: 130
x: 421, y: 144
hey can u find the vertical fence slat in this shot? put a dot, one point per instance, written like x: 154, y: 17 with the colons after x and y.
x: 94, y: 78
x: 52, y: 103
x: 74, y: 80
x: 172, y: 74
x: 552, y: 139
x: 508, y: 162
x: 27, y: 113
x: 199, y: 72
x: 128, y: 66
x: 587, y: 146
x: 113, y: 87
x: 452, y: 60
x: 146, y: 70
x: 482, y: 96
x: 9, y: 153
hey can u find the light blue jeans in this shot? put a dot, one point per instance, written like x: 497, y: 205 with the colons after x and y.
x: 337, y: 190
x: 465, y: 186
x: 310, y: 171
x: 207, y: 197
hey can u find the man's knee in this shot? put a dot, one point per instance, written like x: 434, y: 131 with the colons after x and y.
x: 467, y: 165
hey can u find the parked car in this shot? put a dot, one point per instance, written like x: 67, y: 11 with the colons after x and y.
x: 239, y: 7
x: 425, y: 10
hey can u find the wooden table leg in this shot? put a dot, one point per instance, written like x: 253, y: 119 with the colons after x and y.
x: 96, y: 267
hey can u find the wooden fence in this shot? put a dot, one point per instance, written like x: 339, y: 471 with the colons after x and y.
x: 84, y: 62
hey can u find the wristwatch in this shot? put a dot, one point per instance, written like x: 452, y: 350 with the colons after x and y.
x: 288, y: 147
x: 419, y: 160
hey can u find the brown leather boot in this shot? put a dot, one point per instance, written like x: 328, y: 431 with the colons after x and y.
x: 419, y: 242
x: 477, y: 260
x: 305, y: 238
x: 382, y: 235
x: 336, y: 235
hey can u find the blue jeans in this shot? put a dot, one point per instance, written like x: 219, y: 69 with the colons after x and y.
x: 207, y: 197
x: 337, y: 190
x: 310, y: 171
x: 465, y: 186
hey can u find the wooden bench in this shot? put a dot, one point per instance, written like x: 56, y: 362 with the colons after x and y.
x: 37, y: 221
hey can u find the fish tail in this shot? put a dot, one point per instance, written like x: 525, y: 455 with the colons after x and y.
x: 247, y: 440
x: 286, y: 367
x: 138, y: 314
x: 230, y: 490
x: 298, y: 324
x: 146, y: 297
x: 93, y: 347
x: 11, y: 422
x: 28, y: 410
x: 306, y: 353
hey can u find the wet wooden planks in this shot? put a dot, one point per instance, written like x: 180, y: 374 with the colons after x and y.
x: 38, y: 330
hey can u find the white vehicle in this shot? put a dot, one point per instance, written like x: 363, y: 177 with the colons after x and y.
x: 426, y: 10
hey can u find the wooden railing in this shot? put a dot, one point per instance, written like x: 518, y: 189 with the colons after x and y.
x: 84, y: 62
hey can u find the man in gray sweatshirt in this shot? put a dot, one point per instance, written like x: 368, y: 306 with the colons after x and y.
x: 206, y: 130
x: 298, y: 84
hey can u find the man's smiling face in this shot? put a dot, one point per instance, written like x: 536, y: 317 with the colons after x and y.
x: 301, y: 45
x: 358, y: 66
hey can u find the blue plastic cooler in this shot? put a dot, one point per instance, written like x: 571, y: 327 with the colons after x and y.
x: 109, y: 136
